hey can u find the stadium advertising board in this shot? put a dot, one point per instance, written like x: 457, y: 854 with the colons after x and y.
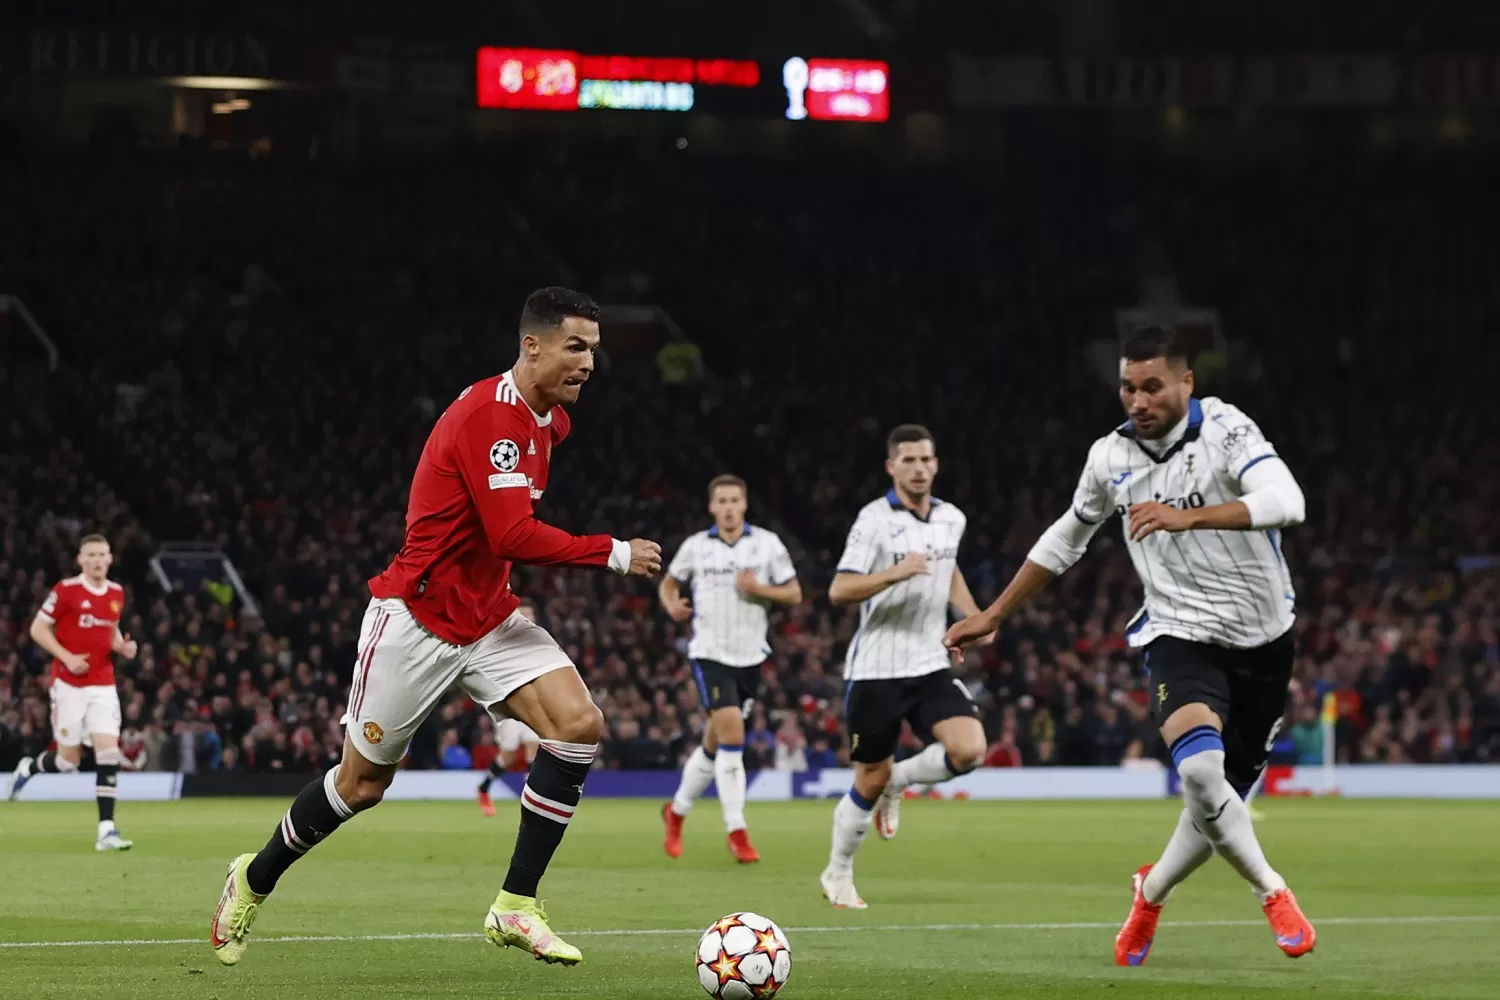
x: 1358, y: 781
x: 796, y: 88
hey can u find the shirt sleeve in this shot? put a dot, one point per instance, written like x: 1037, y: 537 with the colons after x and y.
x: 681, y: 568
x: 1064, y: 543
x: 781, y: 570
x: 50, y: 607
x: 1272, y: 496
x: 502, y: 495
x: 1241, y: 442
x: 861, y: 548
x: 1092, y: 502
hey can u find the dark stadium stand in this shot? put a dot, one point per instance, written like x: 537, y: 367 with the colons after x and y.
x: 318, y: 318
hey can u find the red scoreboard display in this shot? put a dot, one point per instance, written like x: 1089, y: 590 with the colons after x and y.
x: 797, y: 88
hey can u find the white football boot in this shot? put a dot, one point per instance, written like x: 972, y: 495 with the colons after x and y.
x: 111, y: 840
x: 839, y: 890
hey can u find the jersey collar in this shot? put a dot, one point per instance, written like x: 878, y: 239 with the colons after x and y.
x: 744, y: 533
x: 1186, y: 431
x: 509, y: 379
x: 892, y: 498
x: 83, y: 582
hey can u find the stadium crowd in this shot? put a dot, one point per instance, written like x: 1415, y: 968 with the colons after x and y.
x: 254, y: 351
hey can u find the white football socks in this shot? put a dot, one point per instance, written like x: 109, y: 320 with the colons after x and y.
x: 1184, y: 854
x: 926, y: 768
x: 851, y: 821
x: 1217, y: 810
x: 729, y: 775
x: 697, y: 774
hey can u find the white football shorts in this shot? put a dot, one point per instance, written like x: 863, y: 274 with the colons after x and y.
x: 81, y: 712
x: 402, y: 671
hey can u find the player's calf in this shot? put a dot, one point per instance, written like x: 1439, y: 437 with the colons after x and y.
x: 319, y: 809
x: 1217, y: 809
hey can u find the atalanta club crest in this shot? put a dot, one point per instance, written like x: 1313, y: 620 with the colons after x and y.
x: 505, y: 455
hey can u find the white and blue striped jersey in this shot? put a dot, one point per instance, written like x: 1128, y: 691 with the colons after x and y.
x: 901, y: 628
x: 728, y: 627
x: 1229, y: 588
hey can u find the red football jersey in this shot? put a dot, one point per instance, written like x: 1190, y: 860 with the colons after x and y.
x: 85, y: 620
x: 470, y: 514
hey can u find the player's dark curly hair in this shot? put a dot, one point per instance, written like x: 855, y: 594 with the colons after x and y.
x: 547, y: 308
x: 1155, y: 341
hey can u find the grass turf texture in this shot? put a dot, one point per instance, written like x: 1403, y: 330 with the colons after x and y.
x: 954, y: 903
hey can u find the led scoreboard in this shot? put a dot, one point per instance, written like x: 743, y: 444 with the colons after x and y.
x: 796, y: 88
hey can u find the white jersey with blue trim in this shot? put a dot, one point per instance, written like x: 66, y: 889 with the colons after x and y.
x: 729, y: 627
x: 1229, y: 588
x: 901, y: 628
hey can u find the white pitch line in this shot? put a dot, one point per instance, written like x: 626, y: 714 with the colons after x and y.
x: 683, y: 931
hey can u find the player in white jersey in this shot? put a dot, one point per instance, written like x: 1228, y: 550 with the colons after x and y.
x: 900, y: 564
x: 1202, y: 495
x: 512, y: 736
x: 736, y: 571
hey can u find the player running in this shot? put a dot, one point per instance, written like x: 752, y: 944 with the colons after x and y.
x: 901, y: 561
x: 512, y: 736
x: 443, y: 611
x: 737, y: 571
x: 1202, y: 495
x: 79, y: 624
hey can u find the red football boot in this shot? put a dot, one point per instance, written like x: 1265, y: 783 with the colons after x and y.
x: 1295, y: 934
x: 1133, y: 943
x: 673, y: 843
x: 486, y: 806
x: 739, y: 846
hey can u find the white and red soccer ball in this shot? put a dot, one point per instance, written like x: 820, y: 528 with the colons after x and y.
x: 743, y: 956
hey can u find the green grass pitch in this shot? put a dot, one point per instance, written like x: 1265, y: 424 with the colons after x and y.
x: 975, y: 899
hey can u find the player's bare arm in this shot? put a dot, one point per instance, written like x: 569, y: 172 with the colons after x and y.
x: 851, y: 588
x: 748, y: 584
x: 124, y: 645
x: 1029, y: 580
x: 678, y: 607
x: 960, y: 597
x: 44, y: 634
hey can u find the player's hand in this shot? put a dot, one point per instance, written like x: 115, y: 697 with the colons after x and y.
x: 645, y: 558
x: 127, y: 648
x: 679, y: 610
x: 75, y: 662
x: 1147, y: 518
x: 746, y: 583
x: 913, y: 564
x: 978, y: 628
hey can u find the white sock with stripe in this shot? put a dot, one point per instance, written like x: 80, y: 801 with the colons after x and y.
x: 697, y: 775
x: 729, y: 775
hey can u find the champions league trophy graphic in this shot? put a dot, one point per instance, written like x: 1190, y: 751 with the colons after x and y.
x: 794, y: 79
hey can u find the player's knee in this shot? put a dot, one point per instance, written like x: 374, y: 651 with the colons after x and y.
x: 362, y: 791
x: 1202, y: 773
x: 870, y: 779
x: 965, y: 756
x: 584, y: 725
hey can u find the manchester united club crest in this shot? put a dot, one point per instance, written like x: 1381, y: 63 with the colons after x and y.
x: 373, y: 733
x: 114, y: 607
x: 505, y: 455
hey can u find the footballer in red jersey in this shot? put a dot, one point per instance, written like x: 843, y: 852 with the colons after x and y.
x: 79, y: 624
x: 443, y: 612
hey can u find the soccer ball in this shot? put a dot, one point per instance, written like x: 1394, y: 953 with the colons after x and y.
x: 743, y: 956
